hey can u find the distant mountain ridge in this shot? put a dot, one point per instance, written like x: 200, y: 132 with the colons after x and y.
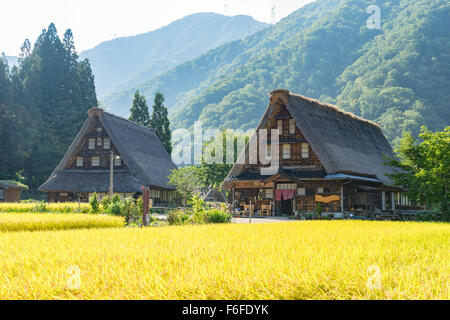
x: 127, y: 61
x: 398, y: 75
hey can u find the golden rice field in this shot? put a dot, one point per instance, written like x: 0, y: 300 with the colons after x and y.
x: 292, y: 260
x: 10, y: 222
x: 52, y: 207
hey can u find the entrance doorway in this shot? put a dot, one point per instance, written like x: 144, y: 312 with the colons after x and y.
x: 286, y: 207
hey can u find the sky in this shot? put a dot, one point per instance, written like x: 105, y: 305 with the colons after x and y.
x: 95, y: 21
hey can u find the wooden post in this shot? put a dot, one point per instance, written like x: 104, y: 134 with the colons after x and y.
x: 111, y: 175
x: 393, y: 200
x: 251, y: 209
x: 383, y: 200
x: 145, y: 204
x: 342, y: 200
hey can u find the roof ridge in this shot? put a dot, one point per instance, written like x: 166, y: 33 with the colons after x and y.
x: 335, y: 108
x: 132, y: 122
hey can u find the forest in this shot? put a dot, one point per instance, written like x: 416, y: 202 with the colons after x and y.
x: 43, y: 103
x: 397, y: 75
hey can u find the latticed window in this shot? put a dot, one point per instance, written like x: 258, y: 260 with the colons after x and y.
x: 79, y: 161
x: 305, y: 150
x: 95, y: 161
x: 91, y: 143
x: 280, y: 126
x: 291, y: 126
x: 286, y: 151
x: 301, y: 191
x: 106, y: 143
x: 117, y: 162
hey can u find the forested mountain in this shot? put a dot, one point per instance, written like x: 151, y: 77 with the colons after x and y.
x: 398, y: 75
x: 127, y: 61
x: 43, y: 104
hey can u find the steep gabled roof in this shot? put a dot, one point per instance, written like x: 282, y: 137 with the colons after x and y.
x: 147, y: 160
x: 344, y: 143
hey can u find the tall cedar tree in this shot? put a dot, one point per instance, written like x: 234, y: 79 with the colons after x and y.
x: 160, y: 122
x: 50, y: 91
x: 139, y: 110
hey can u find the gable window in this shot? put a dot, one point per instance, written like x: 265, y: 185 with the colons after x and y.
x: 280, y: 126
x: 91, y: 143
x: 117, y: 162
x: 95, y: 161
x: 305, y: 150
x: 99, y: 129
x: 269, y: 151
x: 99, y: 142
x: 79, y: 161
x: 310, y: 191
x: 286, y: 151
x: 291, y: 126
x: 106, y: 143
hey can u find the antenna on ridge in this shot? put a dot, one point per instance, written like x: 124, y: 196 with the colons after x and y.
x: 273, y: 18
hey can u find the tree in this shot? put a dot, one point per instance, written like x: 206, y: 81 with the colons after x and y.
x: 186, y: 180
x: 212, y: 174
x: 139, y: 110
x: 423, y: 168
x: 160, y: 122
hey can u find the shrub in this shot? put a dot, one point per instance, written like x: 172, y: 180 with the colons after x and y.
x: 218, y: 216
x: 41, y: 207
x: 106, y: 201
x: 177, y: 217
x: 95, y: 205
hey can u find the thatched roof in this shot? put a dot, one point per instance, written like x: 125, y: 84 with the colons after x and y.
x: 147, y: 160
x: 218, y: 196
x: 12, y: 184
x: 344, y: 143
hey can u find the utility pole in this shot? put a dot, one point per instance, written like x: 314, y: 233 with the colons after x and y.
x: 111, y: 175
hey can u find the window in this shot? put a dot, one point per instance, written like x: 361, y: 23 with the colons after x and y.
x: 327, y: 190
x: 305, y: 150
x: 269, y: 193
x: 2, y: 194
x: 95, y: 161
x: 320, y: 190
x: 106, y: 143
x: 310, y: 191
x: 286, y: 186
x: 103, y: 162
x: 155, y: 194
x: 99, y: 141
x: 280, y: 126
x: 291, y: 126
x: 301, y: 191
x: 117, y: 162
x: 91, y: 143
x: 99, y: 129
x: 286, y: 151
x: 79, y: 161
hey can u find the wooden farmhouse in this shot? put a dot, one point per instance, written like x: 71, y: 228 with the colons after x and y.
x: 10, y: 190
x: 328, y: 158
x: 133, y: 152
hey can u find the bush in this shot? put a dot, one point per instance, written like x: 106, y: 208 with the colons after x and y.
x: 106, y: 201
x: 95, y: 205
x: 177, y: 217
x: 41, y: 207
x: 218, y: 216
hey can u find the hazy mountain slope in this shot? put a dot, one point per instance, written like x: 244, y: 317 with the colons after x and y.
x: 188, y: 79
x: 130, y: 60
x: 398, y: 76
